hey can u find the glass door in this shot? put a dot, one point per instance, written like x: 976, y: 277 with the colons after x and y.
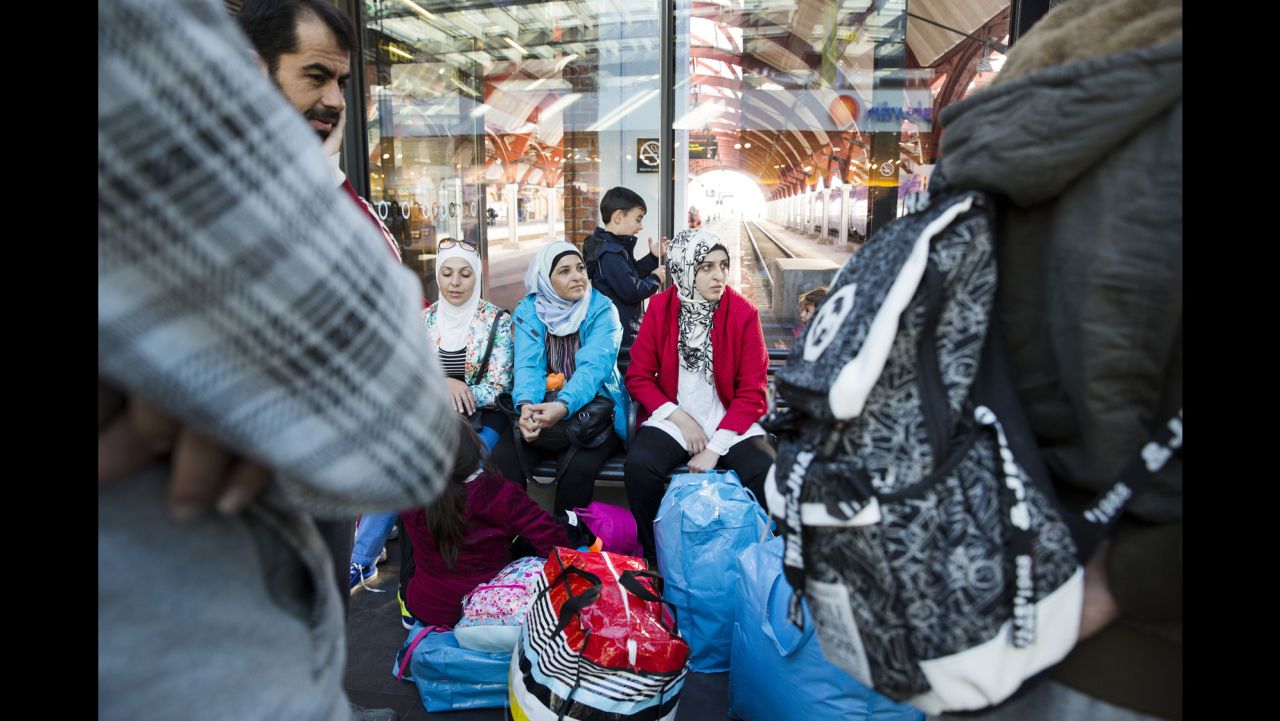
x: 506, y: 122
x: 801, y: 127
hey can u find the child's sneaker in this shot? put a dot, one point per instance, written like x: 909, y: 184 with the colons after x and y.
x: 361, y: 575
x: 406, y: 619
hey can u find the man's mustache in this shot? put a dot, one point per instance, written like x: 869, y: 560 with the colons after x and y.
x: 324, y: 115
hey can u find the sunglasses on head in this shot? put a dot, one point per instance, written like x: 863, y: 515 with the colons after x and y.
x: 451, y: 242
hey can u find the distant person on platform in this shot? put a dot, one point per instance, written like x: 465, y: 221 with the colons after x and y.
x: 806, y: 305
x: 609, y: 254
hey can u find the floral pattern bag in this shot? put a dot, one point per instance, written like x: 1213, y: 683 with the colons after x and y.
x: 493, y: 612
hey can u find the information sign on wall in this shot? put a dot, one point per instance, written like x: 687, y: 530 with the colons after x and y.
x: 646, y: 155
x: 703, y: 147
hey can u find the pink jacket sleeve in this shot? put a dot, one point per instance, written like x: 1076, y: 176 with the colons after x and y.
x: 526, y: 518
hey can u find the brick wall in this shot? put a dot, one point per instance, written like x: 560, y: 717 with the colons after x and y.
x: 581, y: 195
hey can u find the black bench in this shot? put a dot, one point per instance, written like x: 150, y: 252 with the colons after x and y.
x: 611, y: 471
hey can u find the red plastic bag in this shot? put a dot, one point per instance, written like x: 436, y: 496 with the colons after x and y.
x: 599, y: 642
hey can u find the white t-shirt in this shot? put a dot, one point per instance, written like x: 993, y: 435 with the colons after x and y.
x: 698, y: 398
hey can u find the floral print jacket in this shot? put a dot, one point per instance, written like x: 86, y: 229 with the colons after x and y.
x: 486, y: 384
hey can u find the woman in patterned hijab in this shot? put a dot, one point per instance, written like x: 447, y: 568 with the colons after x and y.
x: 700, y: 412
x: 688, y: 251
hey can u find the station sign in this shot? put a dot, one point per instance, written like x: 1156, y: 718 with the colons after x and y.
x: 703, y: 147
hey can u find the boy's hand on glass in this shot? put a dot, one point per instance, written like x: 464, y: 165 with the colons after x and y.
x: 659, y: 249
x: 661, y: 273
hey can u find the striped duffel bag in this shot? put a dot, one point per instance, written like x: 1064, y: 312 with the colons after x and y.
x: 599, y: 643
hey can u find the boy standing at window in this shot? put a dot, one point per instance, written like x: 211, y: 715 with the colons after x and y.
x: 610, y: 258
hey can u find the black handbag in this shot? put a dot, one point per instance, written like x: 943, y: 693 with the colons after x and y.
x: 589, y: 427
x: 476, y: 417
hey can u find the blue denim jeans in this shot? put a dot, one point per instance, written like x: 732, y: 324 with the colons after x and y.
x: 489, y: 438
x: 371, y: 536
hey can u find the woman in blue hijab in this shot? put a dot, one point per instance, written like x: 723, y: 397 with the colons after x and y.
x: 567, y: 337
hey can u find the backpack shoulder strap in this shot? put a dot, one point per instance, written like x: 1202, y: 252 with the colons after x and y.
x: 1099, y: 518
x: 493, y: 332
x: 994, y: 388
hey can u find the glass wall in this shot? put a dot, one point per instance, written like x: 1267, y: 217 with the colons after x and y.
x: 799, y: 128
x: 504, y: 123
x: 802, y: 127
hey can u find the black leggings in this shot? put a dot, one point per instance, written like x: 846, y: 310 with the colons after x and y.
x: 654, y: 453
x: 496, y: 420
x: 578, y: 482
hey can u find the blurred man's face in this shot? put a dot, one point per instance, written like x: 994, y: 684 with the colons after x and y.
x: 312, y: 79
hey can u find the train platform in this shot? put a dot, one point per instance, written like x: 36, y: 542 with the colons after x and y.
x: 507, y: 265
x: 810, y: 245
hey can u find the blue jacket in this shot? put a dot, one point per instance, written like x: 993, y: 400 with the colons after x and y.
x: 614, y: 271
x: 597, y: 359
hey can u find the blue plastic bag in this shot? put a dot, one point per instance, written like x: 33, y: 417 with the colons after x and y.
x: 777, y: 671
x: 448, y: 676
x: 704, y: 522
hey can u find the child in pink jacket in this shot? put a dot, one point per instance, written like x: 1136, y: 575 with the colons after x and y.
x: 464, y: 538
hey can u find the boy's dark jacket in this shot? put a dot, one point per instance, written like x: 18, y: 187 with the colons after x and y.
x: 614, y: 271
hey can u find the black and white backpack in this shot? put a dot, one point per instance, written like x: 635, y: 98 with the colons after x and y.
x: 920, y: 524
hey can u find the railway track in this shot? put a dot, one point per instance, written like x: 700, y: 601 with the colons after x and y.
x: 765, y: 251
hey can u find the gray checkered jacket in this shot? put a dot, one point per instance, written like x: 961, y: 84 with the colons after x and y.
x: 242, y: 292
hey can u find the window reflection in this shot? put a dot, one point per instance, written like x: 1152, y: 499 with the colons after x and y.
x: 812, y: 120
x: 828, y: 109
x: 506, y: 122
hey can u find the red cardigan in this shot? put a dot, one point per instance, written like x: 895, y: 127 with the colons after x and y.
x: 740, y: 363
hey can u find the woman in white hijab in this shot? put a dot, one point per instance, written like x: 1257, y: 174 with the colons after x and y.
x: 699, y: 370
x: 567, y: 336
x: 473, y: 338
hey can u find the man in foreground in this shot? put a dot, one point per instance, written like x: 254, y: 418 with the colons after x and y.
x: 251, y: 323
